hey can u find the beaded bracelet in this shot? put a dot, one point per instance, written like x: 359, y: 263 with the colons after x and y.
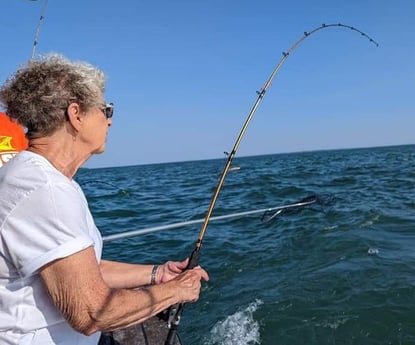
x: 154, y: 274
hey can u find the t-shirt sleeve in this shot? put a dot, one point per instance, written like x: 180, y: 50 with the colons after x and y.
x: 48, y: 224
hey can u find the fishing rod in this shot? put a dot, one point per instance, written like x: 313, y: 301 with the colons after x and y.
x: 175, y: 311
x: 277, y: 210
x: 39, y: 24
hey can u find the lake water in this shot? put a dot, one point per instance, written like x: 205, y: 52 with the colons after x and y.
x: 338, y: 273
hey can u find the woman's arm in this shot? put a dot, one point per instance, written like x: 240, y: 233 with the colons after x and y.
x: 79, y: 291
x: 121, y: 275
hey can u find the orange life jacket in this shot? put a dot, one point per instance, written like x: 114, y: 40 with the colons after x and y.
x: 12, y: 139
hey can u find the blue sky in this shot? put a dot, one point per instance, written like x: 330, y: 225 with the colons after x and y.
x: 184, y: 74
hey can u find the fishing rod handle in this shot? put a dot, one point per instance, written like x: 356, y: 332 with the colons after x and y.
x: 171, y: 336
x: 175, y: 311
x: 194, y: 258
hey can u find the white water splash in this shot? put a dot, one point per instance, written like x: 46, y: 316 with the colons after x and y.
x: 373, y: 251
x: 237, y: 329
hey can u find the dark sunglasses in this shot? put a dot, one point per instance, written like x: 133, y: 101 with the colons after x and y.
x: 108, y: 110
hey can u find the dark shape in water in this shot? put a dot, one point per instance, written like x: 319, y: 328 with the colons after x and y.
x: 320, y: 200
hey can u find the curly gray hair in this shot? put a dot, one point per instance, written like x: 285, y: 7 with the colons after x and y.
x: 38, y: 94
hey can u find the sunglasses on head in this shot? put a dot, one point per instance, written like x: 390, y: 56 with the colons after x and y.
x: 108, y: 110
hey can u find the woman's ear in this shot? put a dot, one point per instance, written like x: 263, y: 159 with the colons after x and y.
x: 74, y: 116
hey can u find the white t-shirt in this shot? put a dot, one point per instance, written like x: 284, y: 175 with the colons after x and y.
x: 44, y: 216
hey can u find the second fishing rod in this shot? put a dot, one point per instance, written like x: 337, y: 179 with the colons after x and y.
x: 174, y: 313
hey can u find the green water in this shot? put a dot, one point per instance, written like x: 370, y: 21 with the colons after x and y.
x: 338, y: 274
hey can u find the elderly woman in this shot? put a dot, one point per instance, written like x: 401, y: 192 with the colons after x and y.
x: 54, y: 287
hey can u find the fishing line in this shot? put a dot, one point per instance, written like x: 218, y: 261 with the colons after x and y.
x: 175, y: 311
x: 305, y: 202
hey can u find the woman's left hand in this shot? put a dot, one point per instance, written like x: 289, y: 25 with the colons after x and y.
x: 170, y: 270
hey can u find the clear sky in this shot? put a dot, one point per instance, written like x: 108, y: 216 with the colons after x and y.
x: 184, y: 74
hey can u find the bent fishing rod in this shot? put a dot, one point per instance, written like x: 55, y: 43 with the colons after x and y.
x: 175, y: 311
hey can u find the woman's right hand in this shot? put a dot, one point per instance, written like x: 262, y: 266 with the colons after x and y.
x: 189, y: 284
